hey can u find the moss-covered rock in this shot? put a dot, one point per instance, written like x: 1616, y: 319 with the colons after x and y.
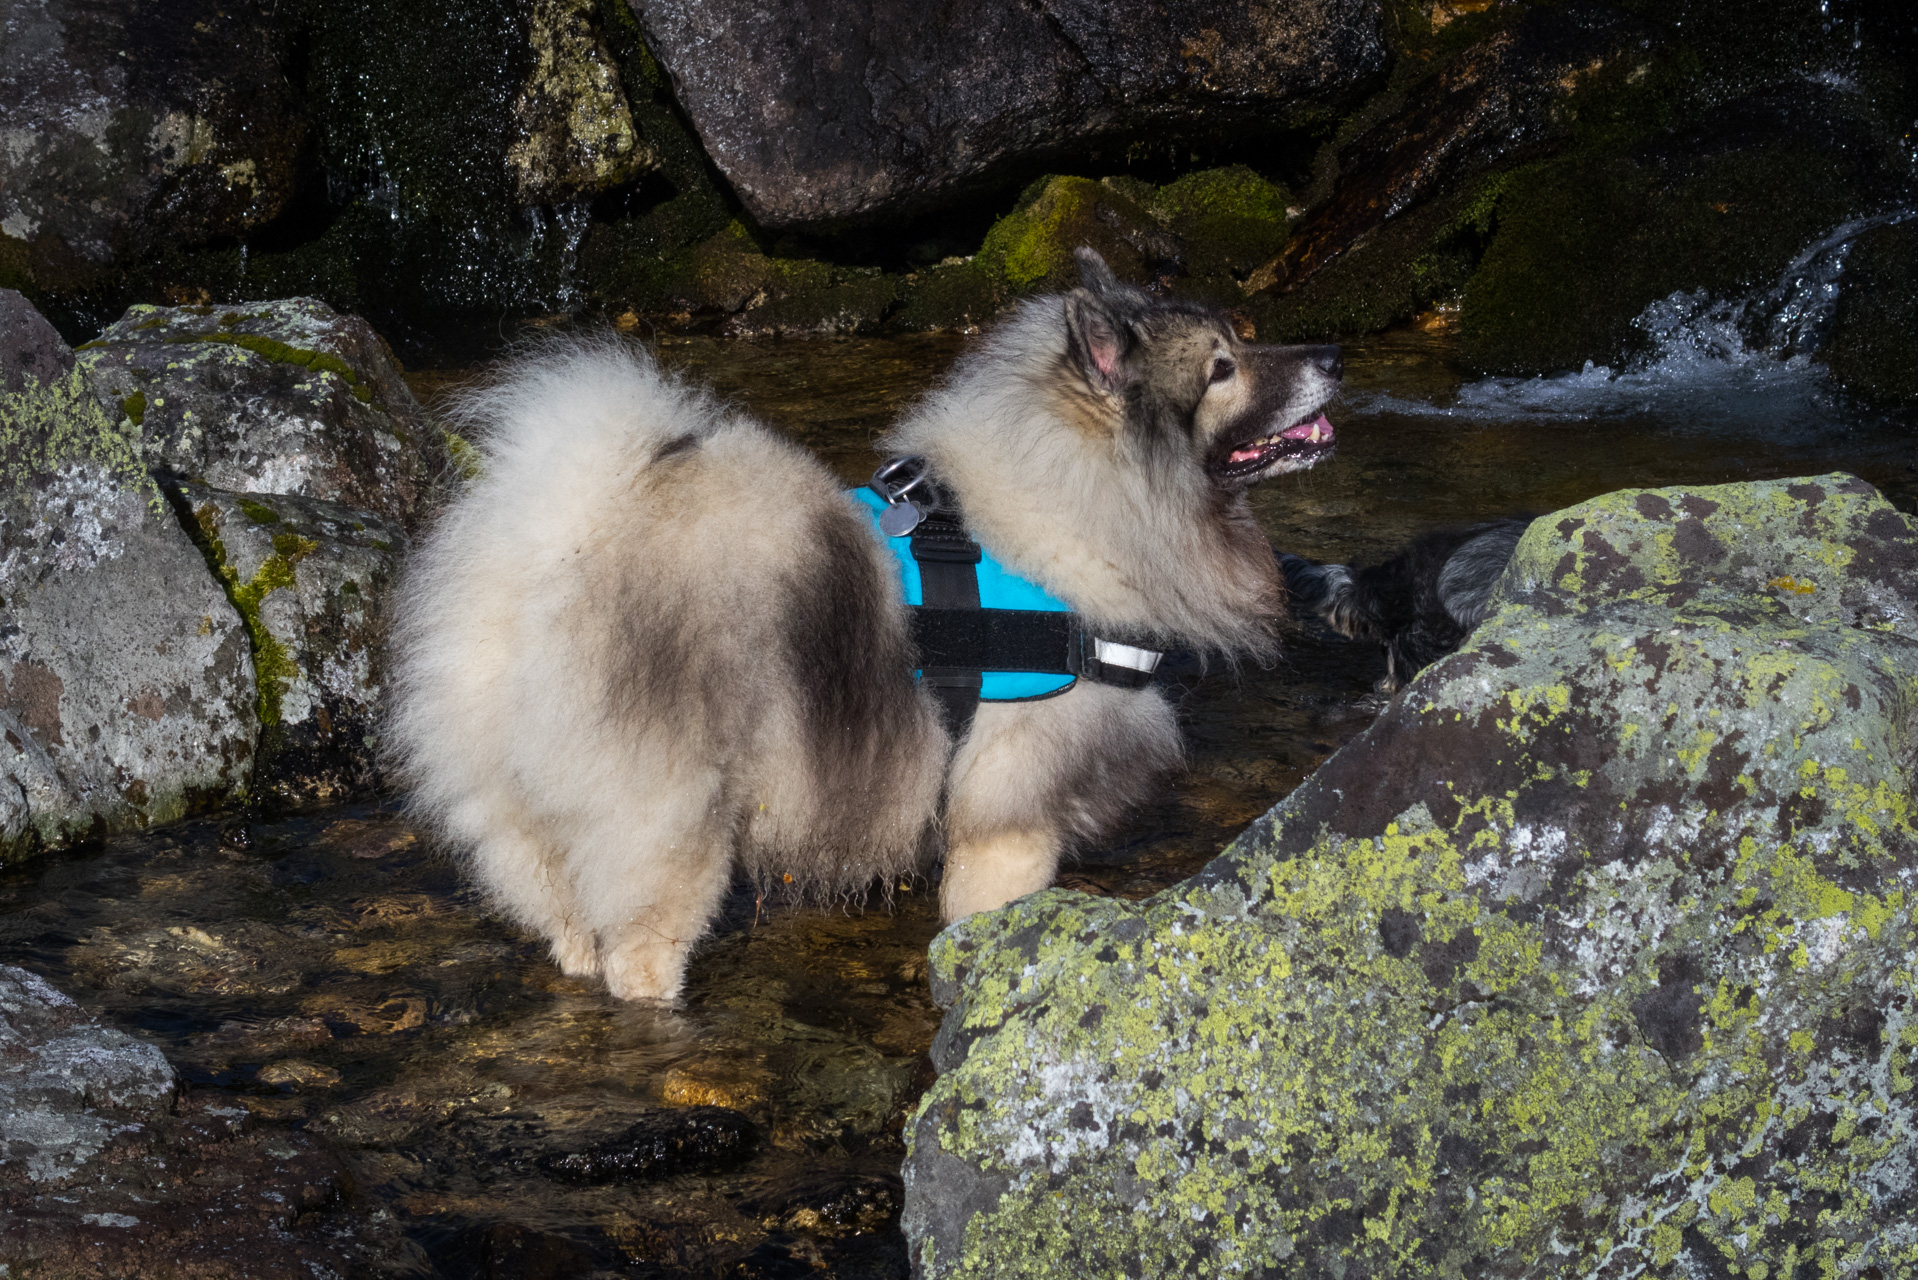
x: 1030, y: 249
x: 1583, y: 244
x: 1228, y: 220
x: 272, y: 397
x: 311, y: 580
x: 1402, y: 205
x: 1874, y: 341
x: 1594, y: 956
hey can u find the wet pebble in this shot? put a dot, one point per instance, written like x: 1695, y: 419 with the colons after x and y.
x: 696, y: 1139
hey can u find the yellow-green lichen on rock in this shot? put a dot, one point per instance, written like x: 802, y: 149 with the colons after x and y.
x: 1592, y: 957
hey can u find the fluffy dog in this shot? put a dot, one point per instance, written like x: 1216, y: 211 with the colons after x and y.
x: 654, y: 642
x: 1420, y: 604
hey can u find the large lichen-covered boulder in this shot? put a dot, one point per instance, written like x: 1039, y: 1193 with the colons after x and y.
x: 857, y: 110
x: 311, y: 580
x: 126, y: 687
x: 1592, y: 957
x: 271, y: 397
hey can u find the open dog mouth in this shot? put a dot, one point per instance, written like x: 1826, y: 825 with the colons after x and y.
x: 1293, y: 449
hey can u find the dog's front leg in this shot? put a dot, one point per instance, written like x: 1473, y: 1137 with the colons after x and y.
x: 989, y: 871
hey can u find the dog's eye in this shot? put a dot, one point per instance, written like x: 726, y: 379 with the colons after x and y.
x: 1223, y: 370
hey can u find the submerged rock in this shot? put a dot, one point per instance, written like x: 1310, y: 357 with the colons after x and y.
x: 680, y: 1141
x: 310, y: 579
x: 125, y: 683
x: 271, y: 397
x: 850, y: 111
x: 104, y: 1170
x: 1592, y: 957
x: 68, y: 1085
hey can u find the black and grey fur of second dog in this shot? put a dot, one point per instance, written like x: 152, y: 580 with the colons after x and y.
x: 1420, y: 604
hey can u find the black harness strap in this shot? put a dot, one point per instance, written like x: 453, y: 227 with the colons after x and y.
x: 949, y: 584
x: 959, y: 641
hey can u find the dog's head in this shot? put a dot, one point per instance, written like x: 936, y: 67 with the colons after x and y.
x: 1174, y: 380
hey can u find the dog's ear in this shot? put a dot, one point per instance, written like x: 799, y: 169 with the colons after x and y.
x: 1094, y: 274
x: 1097, y: 340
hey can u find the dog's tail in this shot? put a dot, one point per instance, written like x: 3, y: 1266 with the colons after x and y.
x: 1331, y: 592
x: 1465, y: 583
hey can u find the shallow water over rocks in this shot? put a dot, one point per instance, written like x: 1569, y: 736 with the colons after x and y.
x: 331, y: 973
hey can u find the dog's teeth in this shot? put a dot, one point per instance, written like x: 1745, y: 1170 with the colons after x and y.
x: 1315, y: 433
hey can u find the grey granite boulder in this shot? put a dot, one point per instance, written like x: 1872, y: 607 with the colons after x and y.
x: 271, y: 397
x: 1593, y: 957
x: 68, y: 1084
x: 126, y: 687
x: 311, y: 580
x: 854, y: 109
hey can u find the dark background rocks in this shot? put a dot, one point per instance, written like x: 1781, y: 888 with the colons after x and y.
x: 873, y: 108
x: 1531, y: 174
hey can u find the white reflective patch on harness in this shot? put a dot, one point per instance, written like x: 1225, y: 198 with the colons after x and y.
x: 1125, y: 655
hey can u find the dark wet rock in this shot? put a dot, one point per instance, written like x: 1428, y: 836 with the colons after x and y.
x: 1422, y: 175
x: 68, y: 1084
x: 827, y: 1203
x: 1874, y: 342
x: 681, y: 1141
x: 30, y: 348
x: 852, y: 111
x: 133, y: 126
x: 1585, y: 243
x: 1593, y: 954
x: 312, y: 581
x: 126, y: 686
x: 271, y: 397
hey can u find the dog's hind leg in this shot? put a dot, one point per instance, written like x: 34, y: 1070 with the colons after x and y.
x: 651, y: 874
x: 528, y: 878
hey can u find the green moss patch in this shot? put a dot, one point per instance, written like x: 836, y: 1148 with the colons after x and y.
x: 274, y: 668
x: 280, y: 353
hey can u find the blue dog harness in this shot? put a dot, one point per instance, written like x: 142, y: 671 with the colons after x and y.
x: 983, y: 633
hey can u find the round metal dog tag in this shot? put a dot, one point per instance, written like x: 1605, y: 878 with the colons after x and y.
x: 900, y: 519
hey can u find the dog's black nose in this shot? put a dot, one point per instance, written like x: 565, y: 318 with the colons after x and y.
x: 1330, y: 361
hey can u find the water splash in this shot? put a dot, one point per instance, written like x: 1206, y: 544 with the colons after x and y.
x: 1712, y: 362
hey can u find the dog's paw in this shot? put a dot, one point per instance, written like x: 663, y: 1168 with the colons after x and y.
x: 648, y: 969
x: 577, y: 954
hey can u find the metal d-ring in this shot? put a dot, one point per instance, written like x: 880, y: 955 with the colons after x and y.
x: 882, y: 478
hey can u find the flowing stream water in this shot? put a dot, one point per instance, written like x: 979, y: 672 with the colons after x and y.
x: 331, y: 971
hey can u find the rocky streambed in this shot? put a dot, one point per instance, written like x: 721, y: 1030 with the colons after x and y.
x: 358, y: 1069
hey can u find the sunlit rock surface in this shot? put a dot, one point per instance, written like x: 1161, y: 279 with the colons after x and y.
x: 126, y: 686
x: 287, y: 397
x: 312, y: 580
x: 851, y: 110
x: 1593, y: 956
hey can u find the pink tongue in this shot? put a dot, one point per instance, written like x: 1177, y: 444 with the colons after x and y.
x: 1304, y: 430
